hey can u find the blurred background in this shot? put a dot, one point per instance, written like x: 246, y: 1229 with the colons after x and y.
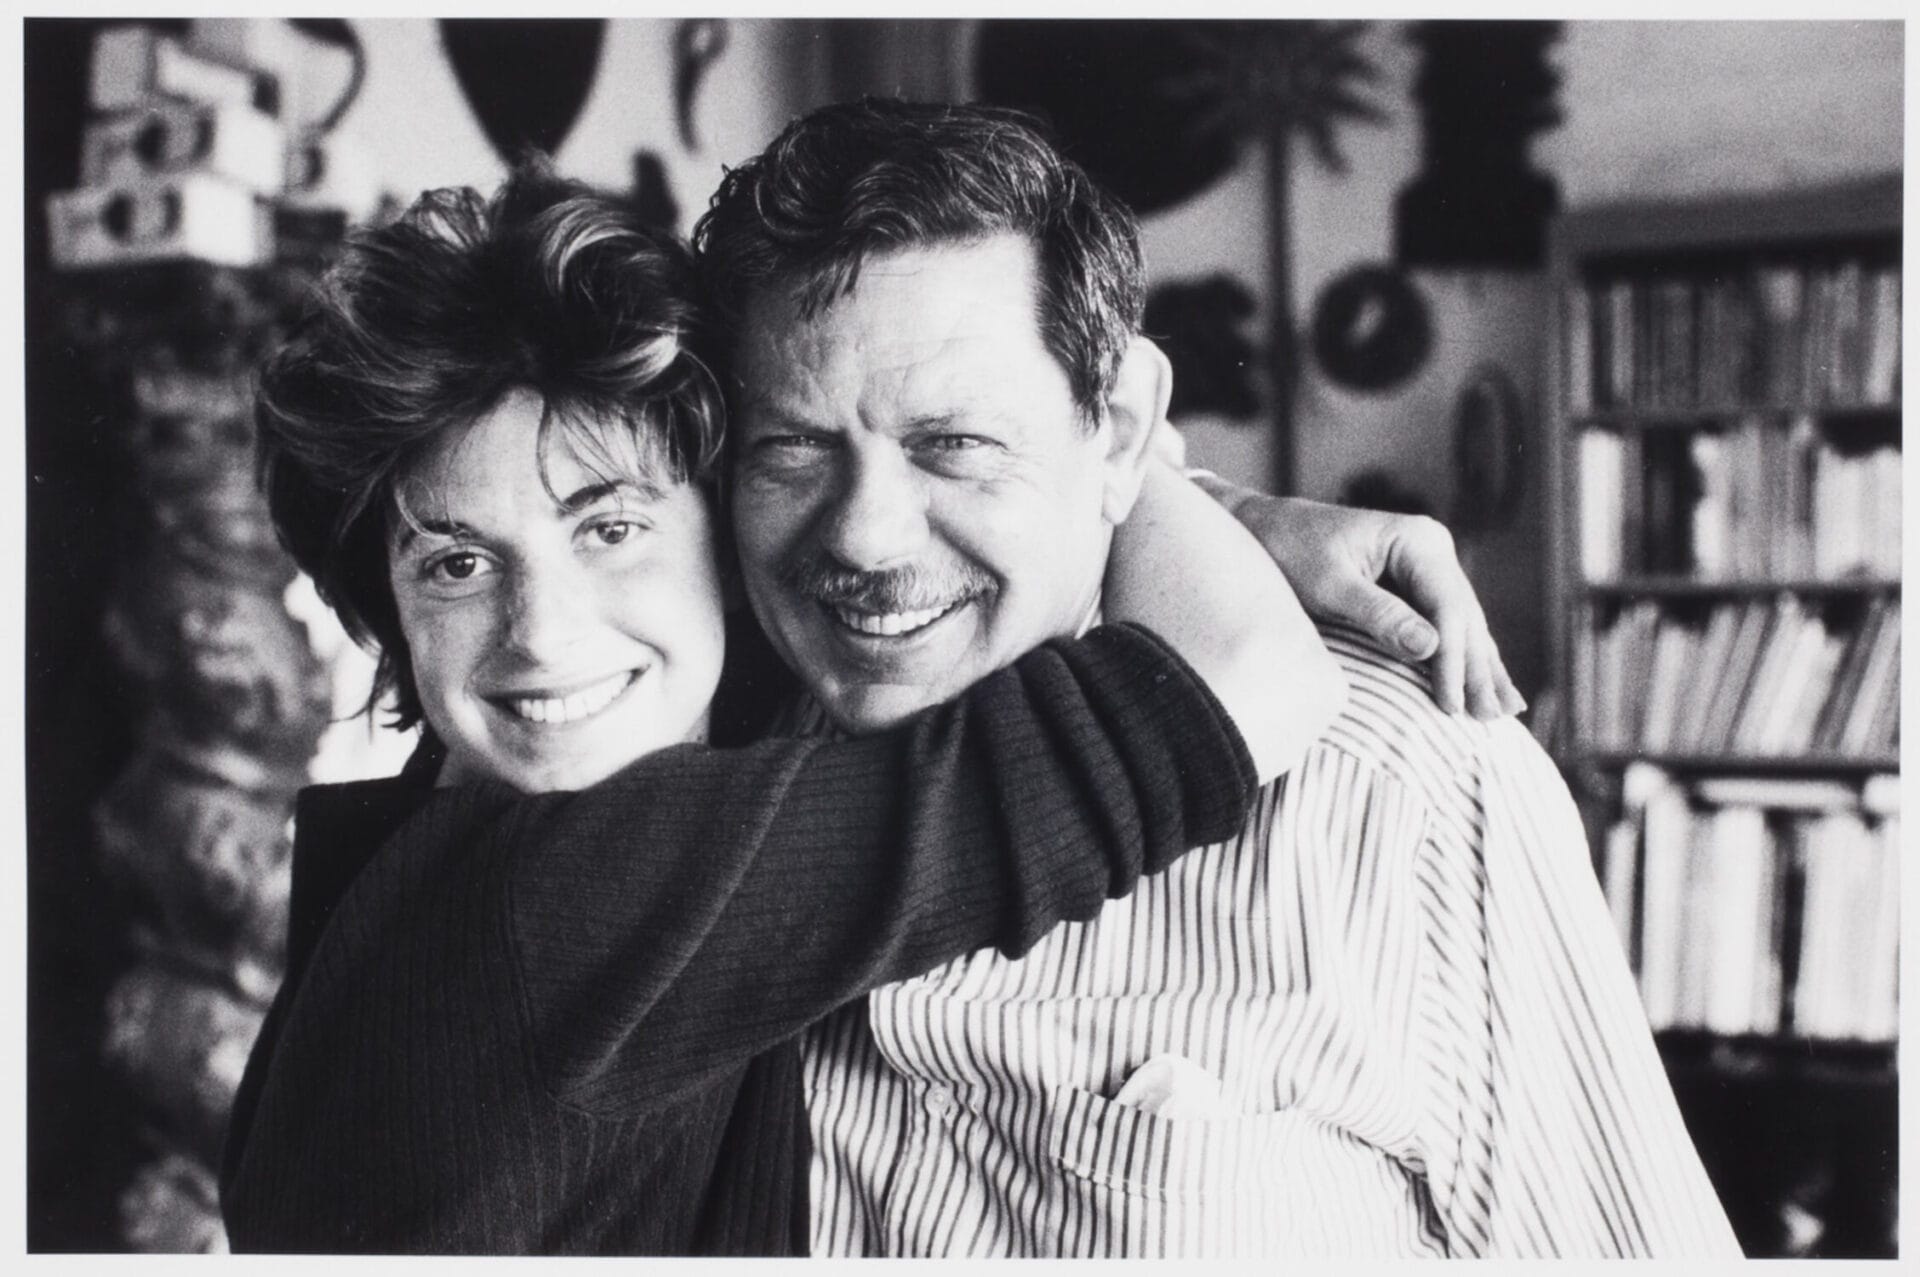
x: 1617, y: 302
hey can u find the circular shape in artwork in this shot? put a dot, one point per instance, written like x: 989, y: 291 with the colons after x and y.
x: 1489, y: 425
x: 1371, y: 329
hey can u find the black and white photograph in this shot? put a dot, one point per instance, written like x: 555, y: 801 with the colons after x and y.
x: 1211, y: 636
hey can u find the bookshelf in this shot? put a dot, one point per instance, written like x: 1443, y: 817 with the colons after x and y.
x: 1725, y: 468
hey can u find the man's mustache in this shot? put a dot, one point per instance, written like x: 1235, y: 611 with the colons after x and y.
x: 904, y: 589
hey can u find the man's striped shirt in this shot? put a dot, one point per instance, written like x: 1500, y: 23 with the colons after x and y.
x: 1391, y: 1018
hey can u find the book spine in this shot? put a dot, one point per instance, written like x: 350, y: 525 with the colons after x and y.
x: 1601, y: 481
x: 1578, y: 301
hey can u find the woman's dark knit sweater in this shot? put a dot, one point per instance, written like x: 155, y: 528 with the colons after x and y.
x: 566, y: 1023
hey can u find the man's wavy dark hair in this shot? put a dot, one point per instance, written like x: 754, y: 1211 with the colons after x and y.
x: 859, y: 178
x: 424, y: 324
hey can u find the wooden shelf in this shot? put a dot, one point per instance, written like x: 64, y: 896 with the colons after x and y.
x: 1686, y: 587
x: 1669, y: 418
x: 1819, y: 1060
x: 1860, y: 209
x: 1744, y: 764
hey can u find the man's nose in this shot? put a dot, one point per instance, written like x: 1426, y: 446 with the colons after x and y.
x: 879, y: 517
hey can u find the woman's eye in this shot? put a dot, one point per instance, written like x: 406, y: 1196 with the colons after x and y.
x: 614, y: 531
x: 461, y: 565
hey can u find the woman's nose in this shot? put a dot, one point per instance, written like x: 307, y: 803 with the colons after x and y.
x: 546, y: 606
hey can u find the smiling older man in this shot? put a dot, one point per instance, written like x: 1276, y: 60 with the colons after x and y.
x: 1388, y: 1018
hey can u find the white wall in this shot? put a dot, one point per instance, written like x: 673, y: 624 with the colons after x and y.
x: 1686, y: 108
x: 411, y: 117
x: 1221, y: 231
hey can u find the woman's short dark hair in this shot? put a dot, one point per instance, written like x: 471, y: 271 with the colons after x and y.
x: 867, y: 177
x: 424, y: 324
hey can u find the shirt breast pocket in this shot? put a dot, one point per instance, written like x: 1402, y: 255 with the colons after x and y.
x: 1134, y: 1183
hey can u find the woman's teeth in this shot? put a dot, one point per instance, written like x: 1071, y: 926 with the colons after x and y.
x: 888, y: 624
x: 566, y: 709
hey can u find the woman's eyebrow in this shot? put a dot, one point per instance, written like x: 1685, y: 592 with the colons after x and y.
x: 585, y: 498
x: 611, y: 489
x: 412, y: 530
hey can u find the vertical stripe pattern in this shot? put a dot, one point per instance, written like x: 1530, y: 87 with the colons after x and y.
x: 1398, y: 1020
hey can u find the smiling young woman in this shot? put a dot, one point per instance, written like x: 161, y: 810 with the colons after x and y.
x: 561, y: 622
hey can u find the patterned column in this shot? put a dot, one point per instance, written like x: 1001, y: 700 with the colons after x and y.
x: 232, y: 703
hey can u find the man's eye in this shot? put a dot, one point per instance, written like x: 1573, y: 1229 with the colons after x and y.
x: 790, y: 443
x: 795, y: 453
x: 958, y: 453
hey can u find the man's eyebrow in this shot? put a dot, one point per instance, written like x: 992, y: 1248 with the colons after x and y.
x: 932, y: 420
x: 764, y: 414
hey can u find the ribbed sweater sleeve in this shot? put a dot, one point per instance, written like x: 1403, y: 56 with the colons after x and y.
x: 563, y: 1023
x: 706, y: 905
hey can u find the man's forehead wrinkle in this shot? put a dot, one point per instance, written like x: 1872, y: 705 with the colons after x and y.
x: 788, y: 388
x: 942, y: 373
x: 877, y: 355
x: 806, y: 382
x: 773, y: 359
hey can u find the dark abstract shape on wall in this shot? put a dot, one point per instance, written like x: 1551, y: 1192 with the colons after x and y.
x: 527, y: 79
x: 1376, y: 489
x: 1103, y: 88
x: 1198, y: 324
x: 1484, y: 89
x: 339, y: 33
x: 1489, y: 446
x: 697, y: 45
x: 652, y: 194
x: 1371, y: 330
x: 1159, y: 111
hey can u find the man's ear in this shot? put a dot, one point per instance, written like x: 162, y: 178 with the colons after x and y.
x: 1137, y: 405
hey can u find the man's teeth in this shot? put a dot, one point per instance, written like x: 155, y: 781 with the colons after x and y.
x: 888, y: 624
x: 566, y: 709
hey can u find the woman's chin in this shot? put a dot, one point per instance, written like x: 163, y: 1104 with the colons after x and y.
x: 539, y: 758
x: 565, y: 775
x: 552, y: 770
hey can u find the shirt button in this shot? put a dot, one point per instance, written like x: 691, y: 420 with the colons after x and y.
x: 940, y: 1102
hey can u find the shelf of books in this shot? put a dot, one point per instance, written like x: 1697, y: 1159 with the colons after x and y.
x: 1763, y: 906
x: 1727, y: 509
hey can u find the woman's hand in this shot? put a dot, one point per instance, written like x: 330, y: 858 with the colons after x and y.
x: 1395, y: 577
x: 1185, y: 569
